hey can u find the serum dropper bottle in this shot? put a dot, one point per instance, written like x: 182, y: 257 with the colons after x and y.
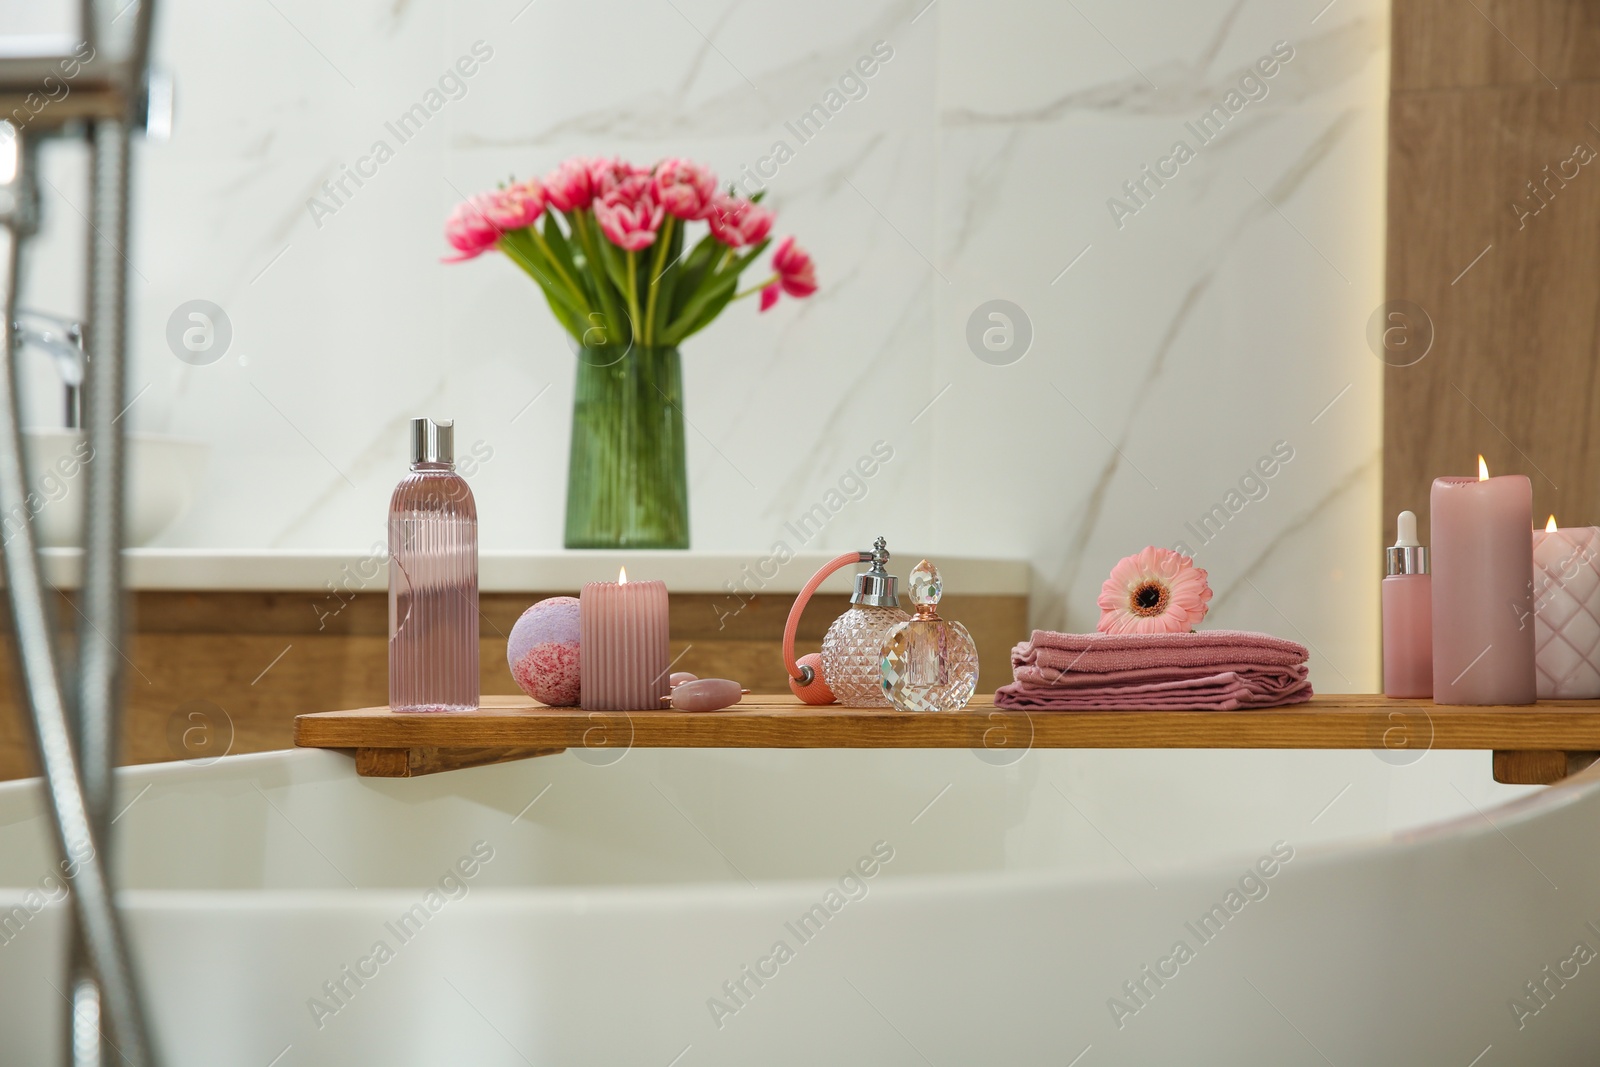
x: 1407, y: 615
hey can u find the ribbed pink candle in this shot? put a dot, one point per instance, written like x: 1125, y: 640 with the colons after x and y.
x: 1482, y: 531
x: 1566, y: 612
x: 623, y: 654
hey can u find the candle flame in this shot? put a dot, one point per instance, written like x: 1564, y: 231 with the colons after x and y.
x: 1550, y: 527
x: 1483, y: 470
x: 622, y: 576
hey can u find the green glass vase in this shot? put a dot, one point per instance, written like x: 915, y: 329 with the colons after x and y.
x: 627, y: 480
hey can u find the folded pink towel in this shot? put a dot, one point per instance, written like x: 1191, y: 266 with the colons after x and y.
x: 1218, y: 670
x: 1118, y: 652
x: 1050, y: 678
x: 1219, y: 692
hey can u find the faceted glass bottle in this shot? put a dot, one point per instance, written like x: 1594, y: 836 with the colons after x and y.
x: 853, y: 645
x: 433, y: 580
x: 929, y: 664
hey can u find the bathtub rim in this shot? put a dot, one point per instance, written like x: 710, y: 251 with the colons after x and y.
x: 582, y: 899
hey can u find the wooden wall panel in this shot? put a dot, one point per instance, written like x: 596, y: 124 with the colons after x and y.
x: 209, y: 671
x: 1511, y: 291
x: 1449, y: 44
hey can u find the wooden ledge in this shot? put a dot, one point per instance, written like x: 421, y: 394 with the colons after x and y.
x: 1534, y: 744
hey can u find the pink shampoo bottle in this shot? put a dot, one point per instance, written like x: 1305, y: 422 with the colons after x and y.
x: 433, y: 580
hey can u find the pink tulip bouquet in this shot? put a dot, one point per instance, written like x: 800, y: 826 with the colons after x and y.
x: 608, y: 243
x: 609, y: 251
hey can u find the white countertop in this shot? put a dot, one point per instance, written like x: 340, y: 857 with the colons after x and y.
x: 518, y: 572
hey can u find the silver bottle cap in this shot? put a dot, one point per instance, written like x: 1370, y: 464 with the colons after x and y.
x: 1408, y: 555
x: 433, y: 442
x: 876, y: 588
x: 1406, y: 559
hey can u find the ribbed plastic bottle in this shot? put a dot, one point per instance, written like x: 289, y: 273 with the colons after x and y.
x: 433, y: 579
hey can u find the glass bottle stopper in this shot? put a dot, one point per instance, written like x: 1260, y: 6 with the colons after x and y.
x: 926, y: 589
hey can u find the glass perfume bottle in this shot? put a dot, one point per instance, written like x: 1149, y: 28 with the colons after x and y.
x: 929, y: 664
x: 854, y: 643
x: 433, y: 579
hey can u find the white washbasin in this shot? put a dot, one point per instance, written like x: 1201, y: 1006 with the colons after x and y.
x: 163, y: 476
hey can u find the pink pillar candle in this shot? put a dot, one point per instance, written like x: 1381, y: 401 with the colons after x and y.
x: 1566, y: 612
x: 623, y: 656
x: 1482, y: 530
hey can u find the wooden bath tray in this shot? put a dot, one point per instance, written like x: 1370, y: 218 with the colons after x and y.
x: 1535, y: 745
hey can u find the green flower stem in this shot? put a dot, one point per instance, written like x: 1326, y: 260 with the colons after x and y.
x: 663, y: 239
x: 633, y: 291
x: 586, y: 238
x: 538, y: 239
x: 755, y: 288
x: 564, y: 311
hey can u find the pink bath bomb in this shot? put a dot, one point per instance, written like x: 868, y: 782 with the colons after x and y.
x: 543, y: 652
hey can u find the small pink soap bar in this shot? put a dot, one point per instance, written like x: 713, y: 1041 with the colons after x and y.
x: 706, y: 694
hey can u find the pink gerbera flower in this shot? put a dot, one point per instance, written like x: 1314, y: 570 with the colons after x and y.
x: 1153, y: 591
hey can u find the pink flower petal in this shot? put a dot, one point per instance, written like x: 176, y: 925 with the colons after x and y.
x: 738, y: 223
x: 1187, y: 593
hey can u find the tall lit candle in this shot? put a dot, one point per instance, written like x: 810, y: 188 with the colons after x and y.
x: 1482, y: 532
x: 1566, y: 611
x: 624, y: 660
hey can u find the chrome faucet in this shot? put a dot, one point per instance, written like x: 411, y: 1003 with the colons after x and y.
x: 62, y: 340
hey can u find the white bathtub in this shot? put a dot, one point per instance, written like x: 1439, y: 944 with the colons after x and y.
x: 1017, y: 902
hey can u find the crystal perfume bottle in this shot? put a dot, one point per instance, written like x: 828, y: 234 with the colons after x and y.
x: 433, y: 579
x: 929, y: 664
x: 854, y: 643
